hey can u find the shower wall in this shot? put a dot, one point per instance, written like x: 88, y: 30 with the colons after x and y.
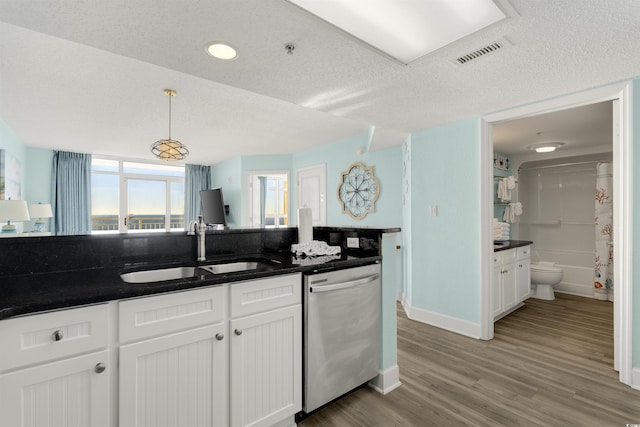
x: 558, y: 216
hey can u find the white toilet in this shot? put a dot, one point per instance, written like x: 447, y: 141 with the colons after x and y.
x: 544, y: 275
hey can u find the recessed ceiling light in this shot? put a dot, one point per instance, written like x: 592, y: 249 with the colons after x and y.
x: 546, y: 147
x: 221, y: 50
x: 409, y: 29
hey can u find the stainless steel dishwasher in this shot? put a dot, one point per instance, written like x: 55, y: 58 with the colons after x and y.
x: 341, y: 332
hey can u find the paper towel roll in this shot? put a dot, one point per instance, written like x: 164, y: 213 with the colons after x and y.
x: 305, y: 225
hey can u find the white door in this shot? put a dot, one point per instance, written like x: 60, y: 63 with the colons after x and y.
x: 509, y: 290
x: 312, y: 191
x: 70, y: 393
x: 266, y: 367
x: 175, y: 380
x: 524, y: 279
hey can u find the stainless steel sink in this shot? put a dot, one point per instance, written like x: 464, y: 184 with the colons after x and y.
x: 233, y: 267
x: 199, y: 272
x: 159, y: 275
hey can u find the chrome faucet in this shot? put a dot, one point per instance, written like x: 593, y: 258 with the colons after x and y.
x: 199, y: 228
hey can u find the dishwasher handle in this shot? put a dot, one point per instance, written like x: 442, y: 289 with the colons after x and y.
x: 344, y: 285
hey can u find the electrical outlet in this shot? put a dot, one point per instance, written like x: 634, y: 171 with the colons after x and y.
x: 353, y: 242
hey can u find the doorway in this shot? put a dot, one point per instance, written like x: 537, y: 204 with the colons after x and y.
x: 268, y: 198
x: 620, y: 97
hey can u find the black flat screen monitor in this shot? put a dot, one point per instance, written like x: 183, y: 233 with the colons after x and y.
x: 213, y: 206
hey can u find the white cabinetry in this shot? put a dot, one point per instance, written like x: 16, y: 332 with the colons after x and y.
x: 177, y: 378
x: 216, y: 356
x: 192, y: 364
x: 54, y: 369
x: 523, y: 275
x: 266, y: 350
x: 510, y: 280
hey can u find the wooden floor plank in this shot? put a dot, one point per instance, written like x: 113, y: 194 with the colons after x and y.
x: 550, y: 364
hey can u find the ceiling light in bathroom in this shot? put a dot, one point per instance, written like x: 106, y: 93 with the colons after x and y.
x: 546, y: 147
x: 221, y: 50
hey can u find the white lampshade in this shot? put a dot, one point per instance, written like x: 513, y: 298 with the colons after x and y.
x: 41, y: 210
x: 13, y: 210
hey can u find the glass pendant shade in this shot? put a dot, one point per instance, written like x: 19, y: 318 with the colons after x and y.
x: 169, y: 149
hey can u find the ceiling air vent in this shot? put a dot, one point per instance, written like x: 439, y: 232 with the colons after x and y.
x: 483, y: 51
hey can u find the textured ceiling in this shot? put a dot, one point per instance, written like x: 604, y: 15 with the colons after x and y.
x: 88, y: 75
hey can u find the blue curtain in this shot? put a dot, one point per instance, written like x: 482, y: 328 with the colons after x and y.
x: 196, y: 178
x: 263, y: 198
x: 71, y: 193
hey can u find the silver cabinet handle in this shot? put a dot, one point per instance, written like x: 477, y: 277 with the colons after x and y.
x: 100, y: 367
x: 219, y: 336
x: 238, y: 332
x: 57, y: 335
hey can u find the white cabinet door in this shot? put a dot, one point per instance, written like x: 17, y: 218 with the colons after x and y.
x: 509, y: 290
x: 523, y: 278
x: 176, y: 380
x: 73, y: 392
x: 266, y: 371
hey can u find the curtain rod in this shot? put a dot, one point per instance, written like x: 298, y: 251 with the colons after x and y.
x: 562, y: 164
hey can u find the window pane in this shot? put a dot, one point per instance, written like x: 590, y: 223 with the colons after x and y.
x: 104, y: 165
x: 152, y: 169
x: 177, y: 205
x: 105, y: 195
x: 147, y: 201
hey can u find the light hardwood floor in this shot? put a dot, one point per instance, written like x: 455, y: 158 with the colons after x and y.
x: 550, y: 364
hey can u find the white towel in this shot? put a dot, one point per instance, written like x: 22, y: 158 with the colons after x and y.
x: 504, y: 194
x: 314, y: 248
x: 509, y: 215
x: 511, y: 182
x: 517, y: 208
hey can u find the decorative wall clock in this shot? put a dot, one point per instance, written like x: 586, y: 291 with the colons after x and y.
x: 358, y: 190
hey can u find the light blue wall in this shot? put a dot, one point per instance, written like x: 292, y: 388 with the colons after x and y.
x: 272, y: 162
x: 445, y: 249
x: 39, y: 163
x: 338, y: 156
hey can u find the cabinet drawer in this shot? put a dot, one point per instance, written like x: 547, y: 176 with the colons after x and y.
x: 524, y: 252
x: 260, y: 295
x: 508, y: 256
x: 497, y: 259
x: 48, y: 336
x: 162, y: 314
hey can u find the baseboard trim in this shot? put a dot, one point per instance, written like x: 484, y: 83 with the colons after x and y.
x: 453, y: 324
x: 387, y: 380
x: 635, y: 378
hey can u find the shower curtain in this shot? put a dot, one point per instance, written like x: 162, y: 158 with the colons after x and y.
x: 603, y: 283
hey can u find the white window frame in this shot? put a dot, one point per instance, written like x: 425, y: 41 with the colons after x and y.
x: 124, y: 177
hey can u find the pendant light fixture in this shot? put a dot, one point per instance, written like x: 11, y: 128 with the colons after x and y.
x: 169, y: 149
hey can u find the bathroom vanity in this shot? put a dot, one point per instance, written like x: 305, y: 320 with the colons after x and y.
x: 91, y: 339
x: 511, y: 277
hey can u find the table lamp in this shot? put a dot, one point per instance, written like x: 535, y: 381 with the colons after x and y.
x: 41, y: 210
x: 13, y: 210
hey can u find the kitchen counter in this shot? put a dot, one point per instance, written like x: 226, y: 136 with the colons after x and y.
x: 30, y: 293
x: 510, y: 244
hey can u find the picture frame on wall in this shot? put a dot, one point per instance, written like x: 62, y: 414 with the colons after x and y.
x: 500, y: 162
x: 10, y: 187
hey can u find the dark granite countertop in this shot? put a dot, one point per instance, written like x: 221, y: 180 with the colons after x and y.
x: 510, y: 244
x: 30, y: 293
